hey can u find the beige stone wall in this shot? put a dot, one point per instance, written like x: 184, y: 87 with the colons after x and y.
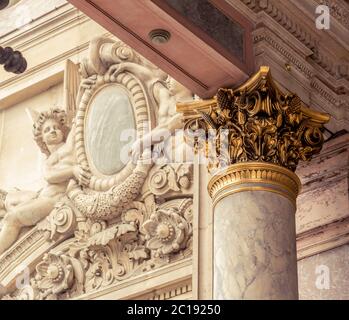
x: 323, y: 223
x: 56, y: 32
x: 20, y: 158
x: 325, y: 275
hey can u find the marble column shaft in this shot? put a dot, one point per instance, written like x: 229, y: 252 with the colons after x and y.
x: 254, y: 232
x: 255, y: 247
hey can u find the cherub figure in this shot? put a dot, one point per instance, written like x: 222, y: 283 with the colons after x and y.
x: 56, y: 140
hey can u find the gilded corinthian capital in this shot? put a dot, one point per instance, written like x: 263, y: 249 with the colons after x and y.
x: 255, y: 123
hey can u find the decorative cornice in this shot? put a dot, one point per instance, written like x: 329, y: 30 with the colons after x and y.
x: 264, y: 34
x: 320, y: 56
x: 322, y: 238
x: 283, y: 19
x: 254, y: 176
x: 324, y: 91
x: 171, y: 293
x: 325, y: 62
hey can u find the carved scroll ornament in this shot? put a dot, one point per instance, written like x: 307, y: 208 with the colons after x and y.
x: 101, y: 254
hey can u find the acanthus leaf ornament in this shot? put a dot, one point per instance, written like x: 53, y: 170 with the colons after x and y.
x: 256, y: 122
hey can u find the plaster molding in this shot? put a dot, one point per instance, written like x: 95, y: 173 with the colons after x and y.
x: 296, y: 29
x: 149, y: 285
x: 265, y: 34
x: 40, y: 76
x: 45, y: 18
x: 316, y: 88
x: 323, y: 238
x: 300, y: 31
x: 180, y: 291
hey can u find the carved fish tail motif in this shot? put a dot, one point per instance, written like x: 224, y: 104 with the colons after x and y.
x: 112, y: 203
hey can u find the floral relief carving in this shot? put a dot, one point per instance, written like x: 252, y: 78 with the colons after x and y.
x: 100, y: 271
x: 166, y: 232
x: 53, y: 276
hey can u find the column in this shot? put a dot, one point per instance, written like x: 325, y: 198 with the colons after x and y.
x: 255, y: 136
x: 254, y: 232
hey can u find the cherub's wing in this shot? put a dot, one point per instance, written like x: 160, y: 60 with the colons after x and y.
x: 71, y: 88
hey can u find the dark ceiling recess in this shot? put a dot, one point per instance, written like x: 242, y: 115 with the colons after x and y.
x: 159, y: 36
x: 4, y: 3
x: 210, y: 44
x: 13, y: 61
x: 213, y: 22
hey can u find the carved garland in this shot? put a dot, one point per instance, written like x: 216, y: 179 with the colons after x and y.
x: 141, y: 113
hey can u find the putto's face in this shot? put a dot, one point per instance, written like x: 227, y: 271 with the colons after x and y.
x: 52, y: 133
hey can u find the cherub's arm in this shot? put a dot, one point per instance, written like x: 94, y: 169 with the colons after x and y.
x: 60, y: 175
x: 162, y: 131
x: 169, y: 121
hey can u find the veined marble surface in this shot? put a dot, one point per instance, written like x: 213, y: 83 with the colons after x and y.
x: 255, y: 247
x: 109, y: 117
